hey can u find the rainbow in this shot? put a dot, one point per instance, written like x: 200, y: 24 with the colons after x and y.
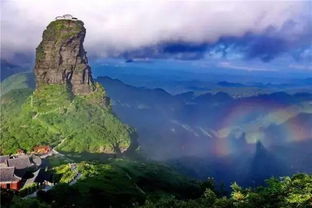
x: 254, y: 119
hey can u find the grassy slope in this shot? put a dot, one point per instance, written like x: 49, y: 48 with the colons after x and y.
x: 52, y: 115
x: 123, y: 182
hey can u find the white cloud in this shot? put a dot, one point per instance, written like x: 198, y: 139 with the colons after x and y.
x: 228, y: 65
x: 300, y: 66
x: 116, y: 26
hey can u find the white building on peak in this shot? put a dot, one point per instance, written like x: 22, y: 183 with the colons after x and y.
x: 66, y: 17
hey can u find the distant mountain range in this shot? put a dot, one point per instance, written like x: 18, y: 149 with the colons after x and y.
x: 185, y: 116
x: 177, y: 77
x: 8, y: 69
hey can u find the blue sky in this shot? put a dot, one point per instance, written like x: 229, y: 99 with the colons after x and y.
x: 246, y: 35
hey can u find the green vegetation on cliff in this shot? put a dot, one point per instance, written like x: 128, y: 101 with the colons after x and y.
x: 53, y: 116
x: 59, y: 31
x: 63, y: 29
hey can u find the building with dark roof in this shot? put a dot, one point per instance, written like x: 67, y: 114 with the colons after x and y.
x: 22, y: 165
x: 40, y: 176
x: 15, y: 170
x: 36, y: 160
x: 19, y: 162
x: 4, y: 158
x: 8, y: 180
x: 66, y: 17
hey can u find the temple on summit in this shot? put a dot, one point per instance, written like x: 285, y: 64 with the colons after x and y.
x: 66, y: 17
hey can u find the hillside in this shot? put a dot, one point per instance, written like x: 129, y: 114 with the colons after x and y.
x: 67, y: 110
x: 124, y: 182
x: 17, y: 81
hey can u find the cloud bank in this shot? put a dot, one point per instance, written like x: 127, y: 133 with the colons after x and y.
x: 181, y: 29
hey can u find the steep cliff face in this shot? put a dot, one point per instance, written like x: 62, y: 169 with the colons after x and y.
x: 61, y: 58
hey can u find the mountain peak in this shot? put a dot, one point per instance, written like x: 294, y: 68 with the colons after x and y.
x: 61, y: 58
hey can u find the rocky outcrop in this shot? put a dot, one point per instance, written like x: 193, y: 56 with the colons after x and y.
x: 61, y: 58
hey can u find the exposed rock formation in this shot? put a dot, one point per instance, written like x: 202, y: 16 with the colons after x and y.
x: 61, y: 58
